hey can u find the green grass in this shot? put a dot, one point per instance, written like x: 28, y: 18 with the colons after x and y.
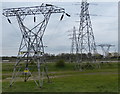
x: 8, y: 67
x: 104, y: 79
x: 78, y: 83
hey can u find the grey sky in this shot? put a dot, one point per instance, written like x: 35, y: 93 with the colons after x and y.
x: 56, y: 35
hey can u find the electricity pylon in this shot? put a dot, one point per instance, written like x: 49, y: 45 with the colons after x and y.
x: 31, y: 47
x: 105, y: 49
x: 74, y: 44
x: 86, y: 39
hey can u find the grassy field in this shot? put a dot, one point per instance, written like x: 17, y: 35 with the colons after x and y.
x: 66, y: 79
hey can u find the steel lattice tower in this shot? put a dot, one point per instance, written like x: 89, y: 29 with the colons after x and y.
x: 74, y: 44
x: 31, y: 47
x: 105, y: 49
x: 86, y: 38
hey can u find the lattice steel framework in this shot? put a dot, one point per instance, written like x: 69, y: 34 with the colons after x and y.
x: 31, y: 47
x: 105, y: 49
x: 74, y: 44
x: 86, y: 39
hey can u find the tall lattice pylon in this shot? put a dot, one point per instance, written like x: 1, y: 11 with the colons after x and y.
x: 74, y: 45
x: 31, y: 48
x: 86, y: 39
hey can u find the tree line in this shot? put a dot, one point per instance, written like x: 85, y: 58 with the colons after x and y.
x: 66, y: 57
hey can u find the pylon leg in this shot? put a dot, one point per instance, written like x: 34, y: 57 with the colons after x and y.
x: 40, y: 75
x: 46, y: 72
x: 14, y: 75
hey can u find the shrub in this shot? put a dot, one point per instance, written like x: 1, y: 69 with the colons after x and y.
x: 60, y: 63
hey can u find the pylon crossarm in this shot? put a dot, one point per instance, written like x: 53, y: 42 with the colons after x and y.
x: 35, y: 10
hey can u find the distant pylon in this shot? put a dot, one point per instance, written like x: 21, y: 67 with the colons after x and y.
x: 86, y: 39
x: 74, y: 44
x: 105, y: 49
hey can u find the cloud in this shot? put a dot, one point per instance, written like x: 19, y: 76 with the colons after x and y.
x: 56, y: 34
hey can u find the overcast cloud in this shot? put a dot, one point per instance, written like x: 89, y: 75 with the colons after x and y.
x: 56, y: 34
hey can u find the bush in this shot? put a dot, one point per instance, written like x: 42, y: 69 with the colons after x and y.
x: 60, y: 63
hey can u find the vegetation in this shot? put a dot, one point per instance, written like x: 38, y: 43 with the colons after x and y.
x: 60, y: 63
x: 66, y: 57
x: 76, y: 83
x: 66, y: 79
x: 8, y: 67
